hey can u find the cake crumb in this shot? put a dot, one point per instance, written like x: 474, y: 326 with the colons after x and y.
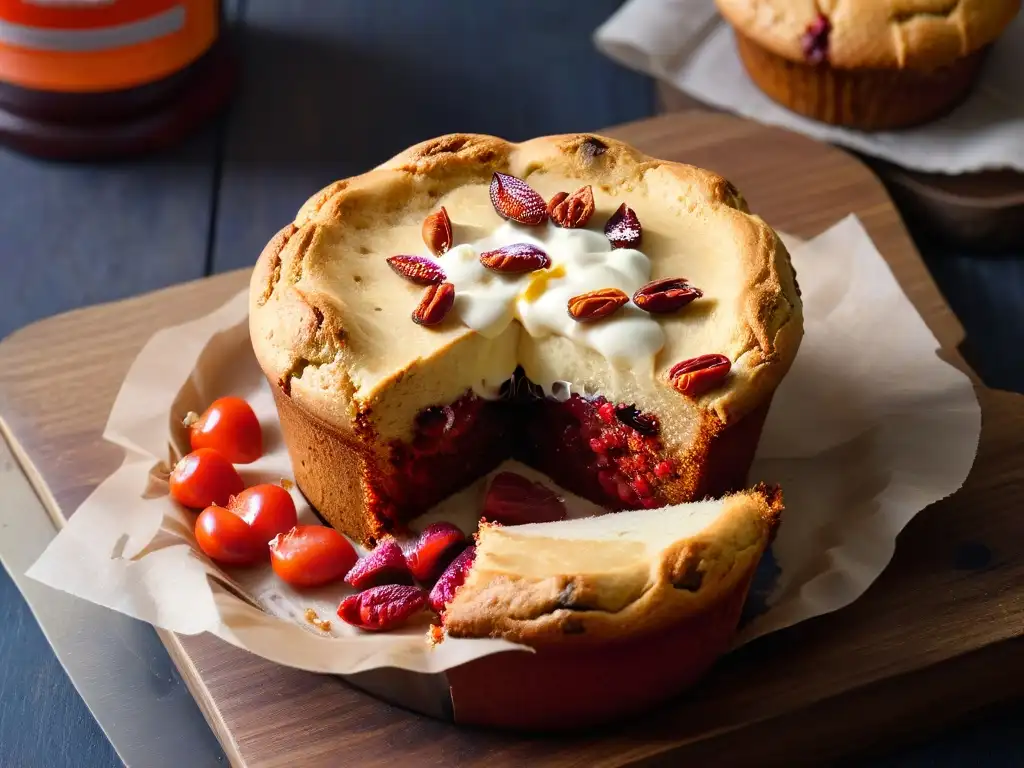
x: 322, y: 624
x: 287, y: 484
x: 434, y: 635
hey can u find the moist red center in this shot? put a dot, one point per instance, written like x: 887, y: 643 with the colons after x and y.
x: 609, y: 453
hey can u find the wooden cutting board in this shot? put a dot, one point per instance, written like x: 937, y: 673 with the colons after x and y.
x: 936, y: 637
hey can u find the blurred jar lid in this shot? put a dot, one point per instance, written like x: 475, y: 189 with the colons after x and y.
x: 93, y: 78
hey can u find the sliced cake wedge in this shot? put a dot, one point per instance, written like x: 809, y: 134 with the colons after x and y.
x: 623, y: 574
x: 622, y: 611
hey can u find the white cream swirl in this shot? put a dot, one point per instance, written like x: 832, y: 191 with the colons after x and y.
x: 582, y: 260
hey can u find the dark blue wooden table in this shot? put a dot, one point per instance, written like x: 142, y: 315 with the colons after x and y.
x: 330, y: 88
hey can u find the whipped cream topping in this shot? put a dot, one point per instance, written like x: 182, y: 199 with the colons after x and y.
x: 582, y: 260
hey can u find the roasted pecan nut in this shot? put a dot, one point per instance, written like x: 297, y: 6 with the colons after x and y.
x: 557, y: 198
x: 515, y: 259
x: 666, y: 295
x: 697, y: 375
x: 623, y: 228
x: 437, y: 232
x: 417, y: 269
x: 516, y: 200
x: 382, y: 608
x: 572, y: 211
x: 435, y: 304
x: 594, y: 305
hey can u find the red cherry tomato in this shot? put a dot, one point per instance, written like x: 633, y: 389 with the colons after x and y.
x: 311, y: 555
x: 204, y: 477
x: 227, y: 538
x: 230, y: 427
x: 268, y: 509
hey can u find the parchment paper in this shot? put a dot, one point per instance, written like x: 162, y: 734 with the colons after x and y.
x: 686, y: 43
x: 869, y: 428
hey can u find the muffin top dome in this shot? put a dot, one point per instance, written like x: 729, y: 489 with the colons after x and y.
x: 855, y: 34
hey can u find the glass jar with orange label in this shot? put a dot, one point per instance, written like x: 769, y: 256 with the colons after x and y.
x: 105, y: 78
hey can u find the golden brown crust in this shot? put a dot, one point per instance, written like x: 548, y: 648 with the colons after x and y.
x: 334, y: 471
x: 630, y: 597
x: 875, y: 34
x: 292, y: 278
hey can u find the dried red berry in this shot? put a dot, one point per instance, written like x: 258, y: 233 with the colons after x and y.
x: 382, y: 608
x: 384, y: 565
x: 417, y: 269
x: 435, y: 305
x: 516, y: 500
x: 437, y: 232
x: 814, y: 41
x: 666, y: 295
x: 515, y: 259
x: 697, y: 375
x: 434, y: 549
x: 623, y: 228
x: 516, y: 200
x: 452, y: 578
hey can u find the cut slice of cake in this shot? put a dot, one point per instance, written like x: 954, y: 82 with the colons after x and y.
x: 622, y: 611
x: 613, y: 576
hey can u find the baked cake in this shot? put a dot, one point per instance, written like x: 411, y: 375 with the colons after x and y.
x: 650, y: 598
x: 617, y: 322
x: 868, y: 64
x: 606, y: 576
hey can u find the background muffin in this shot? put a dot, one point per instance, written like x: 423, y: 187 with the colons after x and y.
x: 867, y: 64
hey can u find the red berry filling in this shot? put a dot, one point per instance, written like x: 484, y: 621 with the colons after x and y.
x: 452, y: 446
x: 609, y: 453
